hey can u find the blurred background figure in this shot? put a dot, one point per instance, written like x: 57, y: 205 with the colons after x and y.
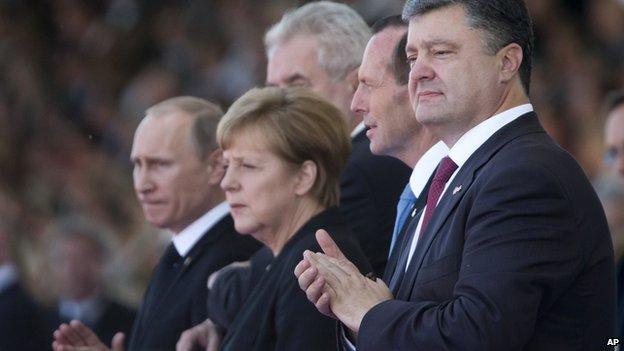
x: 614, y: 133
x: 610, y: 189
x: 21, y: 323
x: 79, y: 256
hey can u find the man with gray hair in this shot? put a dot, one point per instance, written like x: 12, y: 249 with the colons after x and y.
x: 177, y: 172
x: 320, y: 46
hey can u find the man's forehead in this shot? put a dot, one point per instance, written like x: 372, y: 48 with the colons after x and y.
x: 161, y: 132
x: 438, y: 24
x: 380, y: 51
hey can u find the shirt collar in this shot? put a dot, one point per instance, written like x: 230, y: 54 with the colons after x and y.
x: 8, y: 276
x: 425, y: 166
x: 184, y: 240
x: 357, y: 130
x: 479, y: 134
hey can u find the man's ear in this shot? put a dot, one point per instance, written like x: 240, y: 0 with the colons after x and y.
x: 510, y: 58
x: 306, y: 176
x: 214, y: 167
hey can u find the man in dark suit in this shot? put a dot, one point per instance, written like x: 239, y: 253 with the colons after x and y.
x: 511, y: 250
x: 320, y: 46
x: 79, y: 253
x: 177, y: 171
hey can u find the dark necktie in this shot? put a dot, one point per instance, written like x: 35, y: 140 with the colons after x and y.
x: 445, y: 169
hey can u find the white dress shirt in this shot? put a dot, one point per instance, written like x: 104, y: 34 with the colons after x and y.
x: 466, y: 146
x: 357, y: 130
x: 184, y: 240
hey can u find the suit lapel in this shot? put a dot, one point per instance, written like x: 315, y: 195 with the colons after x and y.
x: 524, y: 124
x: 193, y: 255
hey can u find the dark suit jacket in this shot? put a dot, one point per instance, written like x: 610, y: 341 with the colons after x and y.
x: 22, y: 326
x: 519, y: 258
x: 277, y: 314
x: 114, y: 318
x: 166, y: 314
x: 370, y: 189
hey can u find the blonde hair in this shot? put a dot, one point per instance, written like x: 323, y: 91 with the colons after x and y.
x: 297, y: 126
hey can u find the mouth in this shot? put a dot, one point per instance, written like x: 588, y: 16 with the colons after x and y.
x: 151, y: 203
x: 234, y: 207
x: 427, y: 95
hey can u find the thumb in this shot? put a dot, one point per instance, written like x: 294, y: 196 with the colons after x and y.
x: 117, y: 344
x: 328, y: 245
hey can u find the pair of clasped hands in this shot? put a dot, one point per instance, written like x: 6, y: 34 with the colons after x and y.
x: 336, y: 286
x: 331, y: 282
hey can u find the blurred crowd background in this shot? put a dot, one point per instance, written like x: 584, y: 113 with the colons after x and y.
x: 76, y: 76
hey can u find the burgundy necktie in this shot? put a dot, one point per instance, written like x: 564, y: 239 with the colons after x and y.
x: 442, y: 175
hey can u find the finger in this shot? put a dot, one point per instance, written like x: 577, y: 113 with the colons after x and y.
x: 117, y: 343
x: 69, y: 333
x: 334, y: 275
x: 324, y: 305
x: 314, y: 291
x: 328, y: 245
x: 60, y: 338
x: 301, y: 267
x: 213, y: 342
x: 85, y: 333
x: 306, y: 278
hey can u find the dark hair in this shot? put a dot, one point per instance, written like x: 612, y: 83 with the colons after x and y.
x: 613, y: 101
x: 399, y: 65
x: 388, y: 22
x: 502, y: 21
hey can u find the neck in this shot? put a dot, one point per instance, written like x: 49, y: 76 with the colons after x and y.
x: 305, y: 210
x: 215, y: 197
x: 423, y: 141
x: 511, y: 98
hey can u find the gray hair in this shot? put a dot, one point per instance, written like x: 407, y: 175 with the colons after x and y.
x: 205, y: 114
x: 341, y: 34
x: 501, y: 21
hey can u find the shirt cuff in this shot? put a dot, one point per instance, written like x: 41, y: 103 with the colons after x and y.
x: 347, y: 343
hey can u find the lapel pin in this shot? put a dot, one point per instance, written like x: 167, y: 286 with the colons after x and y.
x: 187, y: 261
x: 414, y: 212
x: 457, y: 189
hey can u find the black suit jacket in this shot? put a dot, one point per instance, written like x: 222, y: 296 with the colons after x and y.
x: 517, y: 256
x: 165, y: 314
x: 370, y: 188
x: 277, y: 315
x: 113, y: 318
x: 22, y: 325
